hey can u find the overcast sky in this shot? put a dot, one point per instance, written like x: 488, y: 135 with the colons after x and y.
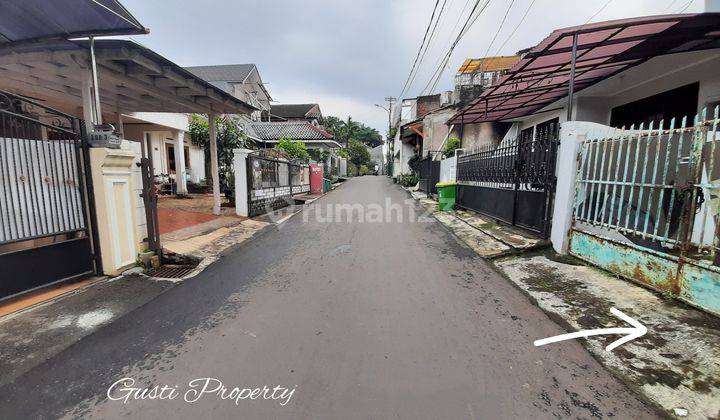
x: 347, y: 55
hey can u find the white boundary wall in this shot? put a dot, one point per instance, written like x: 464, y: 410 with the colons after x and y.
x: 448, y: 169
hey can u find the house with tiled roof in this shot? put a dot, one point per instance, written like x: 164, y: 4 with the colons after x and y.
x: 268, y: 134
x: 243, y: 81
x: 296, y: 112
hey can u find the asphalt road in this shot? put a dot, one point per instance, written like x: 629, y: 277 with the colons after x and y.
x: 371, y: 319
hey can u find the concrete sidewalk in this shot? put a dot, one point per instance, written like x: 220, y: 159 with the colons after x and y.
x: 31, y: 336
x: 675, y: 366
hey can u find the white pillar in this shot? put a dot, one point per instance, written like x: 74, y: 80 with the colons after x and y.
x: 712, y: 6
x: 212, y: 130
x: 180, y: 172
x: 242, y: 207
x: 567, y: 167
x: 115, y: 206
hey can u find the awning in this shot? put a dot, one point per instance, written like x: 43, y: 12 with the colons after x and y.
x: 24, y: 21
x: 411, y: 130
x: 604, y: 49
x: 131, y: 77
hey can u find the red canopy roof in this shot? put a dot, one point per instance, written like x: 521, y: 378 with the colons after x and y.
x: 604, y: 49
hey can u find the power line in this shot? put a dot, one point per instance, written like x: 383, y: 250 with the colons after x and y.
x: 427, y: 45
x: 607, y: 3
x: 438, y: 71
x: 669, y: 6
x: 502, y: 23
x: 525, y: 15
x: 417, y: 56
x: 466, y: 27
x: 684, y: 8
x: 450, y: 33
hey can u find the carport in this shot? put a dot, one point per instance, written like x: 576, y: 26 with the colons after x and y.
x: 58, y: 74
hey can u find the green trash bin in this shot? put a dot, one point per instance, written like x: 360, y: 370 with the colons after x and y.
x: 327, y: 185
x: 447, y: 194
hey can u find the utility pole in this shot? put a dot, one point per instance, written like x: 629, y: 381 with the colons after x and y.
x: 389, y: 100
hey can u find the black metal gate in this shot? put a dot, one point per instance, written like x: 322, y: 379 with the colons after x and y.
x: 45, y: 234
x: 513, y: 182
x: 428, y: 174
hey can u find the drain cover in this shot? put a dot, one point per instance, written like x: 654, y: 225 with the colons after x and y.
x: 172, y: 271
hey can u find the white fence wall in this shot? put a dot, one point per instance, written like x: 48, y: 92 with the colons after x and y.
x: 448, y: 169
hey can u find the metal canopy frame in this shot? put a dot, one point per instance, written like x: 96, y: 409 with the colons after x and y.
x: 29, y: 21
x: 131, y: 77
x: 572, y: 59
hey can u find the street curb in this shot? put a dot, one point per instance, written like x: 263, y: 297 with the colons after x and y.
x: 565, y: 325
x: 557, y: 319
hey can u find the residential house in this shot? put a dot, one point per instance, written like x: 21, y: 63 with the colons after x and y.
x: 320, y: 143
x: 101, y: 231
x: 476, y: 74
x: 172, y: 148
x: 637, y: 95
x: 296, y: 112
x: 410, y: 137
x: 243, y: 81
x: 430, y: 133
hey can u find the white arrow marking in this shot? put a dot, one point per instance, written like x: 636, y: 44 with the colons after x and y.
x: 638, y: 330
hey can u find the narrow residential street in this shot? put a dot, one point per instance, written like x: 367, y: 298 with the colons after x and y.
x: 363, y: 319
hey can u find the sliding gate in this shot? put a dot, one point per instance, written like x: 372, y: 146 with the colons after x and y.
x: 513, y: 182
x: 44, y: 230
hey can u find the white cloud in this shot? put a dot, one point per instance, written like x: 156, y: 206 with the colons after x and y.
x: 337, y: 105
x: 349, y: 55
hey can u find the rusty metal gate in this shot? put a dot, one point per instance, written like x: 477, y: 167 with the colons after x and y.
x: 45, y: 234
x: 513, y: 182
x: 647, y: 207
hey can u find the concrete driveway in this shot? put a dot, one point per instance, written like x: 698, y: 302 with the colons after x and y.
x: 368, y: 318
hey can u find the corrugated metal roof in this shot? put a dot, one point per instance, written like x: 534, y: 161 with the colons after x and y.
x: 43, y: 69
x: 23, y: 21
x: 604, y: 49
x: 472, y: 65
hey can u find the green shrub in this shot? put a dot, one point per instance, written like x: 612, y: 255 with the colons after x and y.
x: 452, y: 144
x: 408, y: 180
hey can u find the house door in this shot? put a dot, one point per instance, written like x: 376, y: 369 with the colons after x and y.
x: 45, y: 229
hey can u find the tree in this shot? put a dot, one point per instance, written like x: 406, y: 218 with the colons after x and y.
x: 369, y: 136
x: 332, y: 125
x: 229, y: 137
x: 347, y: 130
x: 358, y: 153
x: 319, y: 155
x: 294, y: 149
